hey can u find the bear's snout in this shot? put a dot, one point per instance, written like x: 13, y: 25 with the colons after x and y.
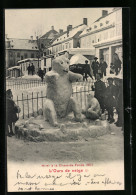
x: 65, y: 70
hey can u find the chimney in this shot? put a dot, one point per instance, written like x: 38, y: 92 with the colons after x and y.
x: 60, y: 31
x: 104, y: 13
x: 52, y: 27
x: 31, y: 37
x: 85, y: 21
x: 69, y: 27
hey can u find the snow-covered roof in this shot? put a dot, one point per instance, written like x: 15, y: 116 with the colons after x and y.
x: 73, y: 32
x: 14, y: 67
x: 24, y: 44
x: 28, y: 59
x: 100, y: 24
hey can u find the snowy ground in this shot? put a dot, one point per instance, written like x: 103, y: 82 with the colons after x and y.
x: 107, y: 148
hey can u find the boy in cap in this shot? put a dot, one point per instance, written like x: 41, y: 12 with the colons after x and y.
x: 109, y: 99
x: 95, y: 66
x: 11, y: 110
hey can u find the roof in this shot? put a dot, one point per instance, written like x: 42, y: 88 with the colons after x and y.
x: 28, y: 59
x: 24, y: 44
x: 14, y: 67
x: 73, y: 32
x: 49, y: 35
x: 101, y: 23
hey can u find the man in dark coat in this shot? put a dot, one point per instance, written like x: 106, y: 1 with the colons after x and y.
x: 41, y: 73
x: 87, y: 70
x: 29, y: 69
x: 110, y: 100
x: 119, y: 100
x: 117, y: 63
x: 100, y: 88
x: 95, y: 66
x: 102, y: 67
x: 11, y: 110
x: 32, y: 69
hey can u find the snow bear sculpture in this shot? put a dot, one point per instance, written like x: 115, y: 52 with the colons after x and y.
x: 59, y: 102
x: 92, y: 110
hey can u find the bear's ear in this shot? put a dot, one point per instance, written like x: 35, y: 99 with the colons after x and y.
x: 66, y: 55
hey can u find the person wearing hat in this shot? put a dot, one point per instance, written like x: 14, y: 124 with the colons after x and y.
x: 110, y: 100
x: 118, y: 93
x: 95, y: 66
x: 87, y: 70
x: 11, y: 113
x: 102, y: 67
x: 99, y: 91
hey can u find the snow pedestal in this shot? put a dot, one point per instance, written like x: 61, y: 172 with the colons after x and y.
x: 38, y: 130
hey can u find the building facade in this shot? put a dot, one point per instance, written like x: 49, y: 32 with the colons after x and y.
x: 45, y: 40
x: 67, y: 41
x: 105, y: 35
x: 19, y: 49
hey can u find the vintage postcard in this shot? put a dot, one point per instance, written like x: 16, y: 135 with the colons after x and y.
x: 64, y: 99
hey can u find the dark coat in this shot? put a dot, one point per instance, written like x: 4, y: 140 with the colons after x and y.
x: 100, y: 89
x: 109, y: 93
x: 95, y: 66
x: 118, y: 92
x: 117, y: 64
x: 103, y: 66
x: 11, y: 110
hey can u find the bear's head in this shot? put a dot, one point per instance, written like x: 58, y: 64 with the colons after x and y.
x: 61, y: 65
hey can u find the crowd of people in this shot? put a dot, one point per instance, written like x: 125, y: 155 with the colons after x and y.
x: 100, y: 67
x: 110, y: 97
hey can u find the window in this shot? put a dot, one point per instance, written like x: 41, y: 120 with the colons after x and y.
x: 32, y: 55
x: 18, y: 55
x: 25, y: 55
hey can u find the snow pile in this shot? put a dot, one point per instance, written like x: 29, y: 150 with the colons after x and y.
x: 78, y: 59
x: 31, y: 77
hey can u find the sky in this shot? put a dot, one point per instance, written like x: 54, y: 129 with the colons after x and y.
x: 23, y: 23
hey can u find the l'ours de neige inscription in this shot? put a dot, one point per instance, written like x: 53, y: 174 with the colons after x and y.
x: 57, y: 177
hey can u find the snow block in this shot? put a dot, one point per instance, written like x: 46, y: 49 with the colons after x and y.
x: 38, y: 130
